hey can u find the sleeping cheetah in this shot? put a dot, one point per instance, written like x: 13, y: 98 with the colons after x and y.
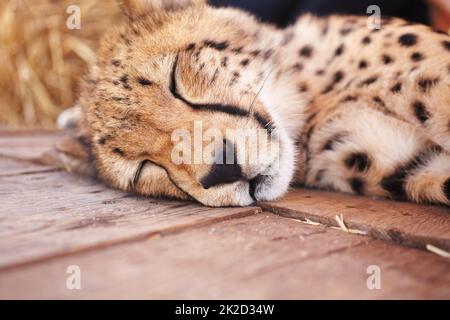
x: 353, y: 109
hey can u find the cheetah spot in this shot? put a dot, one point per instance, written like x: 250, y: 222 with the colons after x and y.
x: 387, y: 59
x: 245, y: 62
x: 118, y: 151
x: 144, y: 81
x: 366, y: 40
x: 359, y: 161
x: 421, y: 111
x: 396, y: 88
x: 417, y: 56
x: 446, y: 45
x: 216, y: 45
x: 407, y: 39
x: 426, y: 84
x: 363, y: 64
x: 357, y: 185
x: 306, y: 51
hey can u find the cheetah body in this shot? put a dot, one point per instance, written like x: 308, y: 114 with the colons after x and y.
x: 357, y: 110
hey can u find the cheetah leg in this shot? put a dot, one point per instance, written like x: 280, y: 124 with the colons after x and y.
x: 362, y: 151
x: 425, y: 180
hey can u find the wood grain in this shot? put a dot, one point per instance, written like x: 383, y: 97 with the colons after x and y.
x: 47, y: 214
x: 14, y: 167
x: 403, y: 223
x: 263, y: 256
x: 136, y: 247
x: 27, y: 145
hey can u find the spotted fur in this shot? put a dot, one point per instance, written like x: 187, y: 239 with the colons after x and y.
x: 356, y: 110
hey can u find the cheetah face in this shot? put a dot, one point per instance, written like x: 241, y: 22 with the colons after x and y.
x: 174, y: 107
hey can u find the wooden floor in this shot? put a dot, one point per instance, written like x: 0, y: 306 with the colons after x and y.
x: 135, y: 247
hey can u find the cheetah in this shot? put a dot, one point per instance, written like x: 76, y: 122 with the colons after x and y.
x: 353, y: 109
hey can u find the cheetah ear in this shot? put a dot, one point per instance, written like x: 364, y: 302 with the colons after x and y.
x: 134, y: 8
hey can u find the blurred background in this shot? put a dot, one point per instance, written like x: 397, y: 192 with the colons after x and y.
x: 41, y: 60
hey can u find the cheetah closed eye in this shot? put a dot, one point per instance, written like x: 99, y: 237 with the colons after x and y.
x: 344, y: 107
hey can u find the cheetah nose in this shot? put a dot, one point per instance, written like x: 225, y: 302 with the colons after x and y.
x: 221, y: 174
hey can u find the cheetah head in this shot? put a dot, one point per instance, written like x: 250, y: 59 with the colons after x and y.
x: 175, y: 101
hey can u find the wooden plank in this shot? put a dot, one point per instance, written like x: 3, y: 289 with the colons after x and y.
x: 44, y: 215
x: 263, y: 256
x: 27, y: 145
x: 49, y: 219
x: 403, y: 223
x: 8, y: 132
x: 12, y: 167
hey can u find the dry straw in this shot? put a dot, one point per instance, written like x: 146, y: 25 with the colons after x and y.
x: 41, y: 60
x: 342, y: 226
x: 438, y: 251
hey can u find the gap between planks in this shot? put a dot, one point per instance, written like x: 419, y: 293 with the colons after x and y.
x: 284, y: 211
x: 398, y: 232
x: 130, y: 239
x: 279, y: 208
x: 263, y: 256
